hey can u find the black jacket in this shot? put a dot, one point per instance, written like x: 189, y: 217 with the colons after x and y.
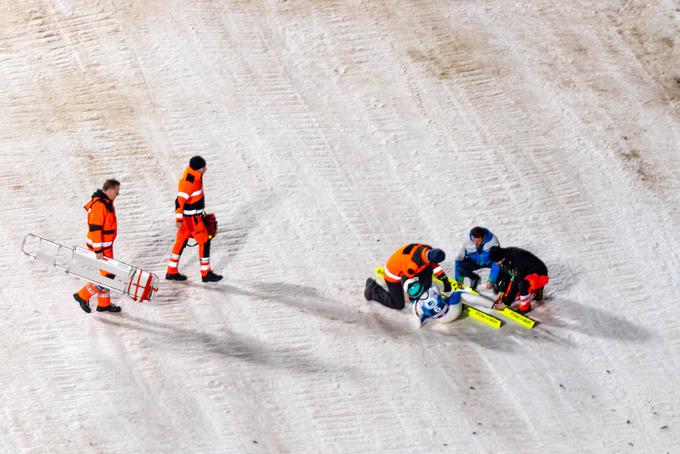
x: 519, y: 264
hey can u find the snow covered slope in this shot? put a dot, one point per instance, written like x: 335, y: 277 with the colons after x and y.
x: 336, y: 131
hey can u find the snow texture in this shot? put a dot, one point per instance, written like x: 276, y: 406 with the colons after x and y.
x: 335, y: 132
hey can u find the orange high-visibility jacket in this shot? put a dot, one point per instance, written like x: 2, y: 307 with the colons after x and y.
x: 190, y: 200
x: 101, y: 221
x: 409, y: 261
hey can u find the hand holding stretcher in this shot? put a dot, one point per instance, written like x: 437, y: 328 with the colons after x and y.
x: 77, y: 261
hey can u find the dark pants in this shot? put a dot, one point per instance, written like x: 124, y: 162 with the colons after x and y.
x: 467, y: 268
x: 393, y: 297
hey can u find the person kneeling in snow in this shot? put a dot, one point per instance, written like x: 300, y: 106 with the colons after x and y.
x: 473, y: 255
x: 409, y: 261
x: 521, y: 272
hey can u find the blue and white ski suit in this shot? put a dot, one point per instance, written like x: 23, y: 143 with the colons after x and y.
x: 471, y: 258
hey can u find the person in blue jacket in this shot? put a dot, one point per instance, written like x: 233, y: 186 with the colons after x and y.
x: 474, y: 255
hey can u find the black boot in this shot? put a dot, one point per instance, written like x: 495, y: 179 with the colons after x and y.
x: 211, y: 277
x: 84, y: 305
x: 368, y: 291
x: 175, y: 277
x: 109, y: 308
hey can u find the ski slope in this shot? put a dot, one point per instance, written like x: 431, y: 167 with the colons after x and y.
x: 335, y: 132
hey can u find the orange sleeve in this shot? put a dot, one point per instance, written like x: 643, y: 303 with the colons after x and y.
x: 394, y: 268
x: 184, y: 189
x: 95, y: 223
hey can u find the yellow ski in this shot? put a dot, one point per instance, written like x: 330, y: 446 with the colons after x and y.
x: 519, y: 318
x: 506, y: 311
x: 482, y: 316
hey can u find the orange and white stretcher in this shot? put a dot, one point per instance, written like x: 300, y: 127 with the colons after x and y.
x: 80, y: 262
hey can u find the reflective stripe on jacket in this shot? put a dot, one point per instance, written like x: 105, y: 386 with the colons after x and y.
x: 101, y: 221
x: 409, y: 261
x: 190, y: 200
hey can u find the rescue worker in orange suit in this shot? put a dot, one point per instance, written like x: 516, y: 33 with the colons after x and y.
x: 189, y: 209
x: 522, y: 273
x: 101, y: 233
x: 409, y: 261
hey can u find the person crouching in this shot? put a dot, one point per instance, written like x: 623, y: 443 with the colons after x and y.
x: 522, y: 273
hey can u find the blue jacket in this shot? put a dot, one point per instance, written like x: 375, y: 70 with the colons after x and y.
x: 480, y: 255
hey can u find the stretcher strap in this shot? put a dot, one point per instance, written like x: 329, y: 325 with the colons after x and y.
x: 139, y: 278
x: 147, y: 289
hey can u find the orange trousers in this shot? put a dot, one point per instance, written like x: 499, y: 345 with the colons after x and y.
x: 192, y: 227
x: 536, y: 281
x: 103, y: 294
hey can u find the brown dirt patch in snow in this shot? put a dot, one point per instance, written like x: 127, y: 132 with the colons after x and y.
x: 656, y: 49
x: 634, y: 160
x: 435, y: 65
x: 457, y: 55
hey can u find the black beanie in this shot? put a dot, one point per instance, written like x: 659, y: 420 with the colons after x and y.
x: 436, y: 255
x: 197, y: 163
x: 496, y: 253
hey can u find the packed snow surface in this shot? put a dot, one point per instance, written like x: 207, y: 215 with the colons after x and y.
x: 335, y: 132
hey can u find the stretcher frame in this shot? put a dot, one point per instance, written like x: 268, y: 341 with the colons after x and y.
x: 82, y: 263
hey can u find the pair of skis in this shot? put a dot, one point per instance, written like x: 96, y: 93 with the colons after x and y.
x: 515, y: 316
x: 526, y: 322
x: 477, y: 314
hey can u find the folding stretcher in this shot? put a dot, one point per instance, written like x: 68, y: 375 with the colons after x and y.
x: 77, y: 261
